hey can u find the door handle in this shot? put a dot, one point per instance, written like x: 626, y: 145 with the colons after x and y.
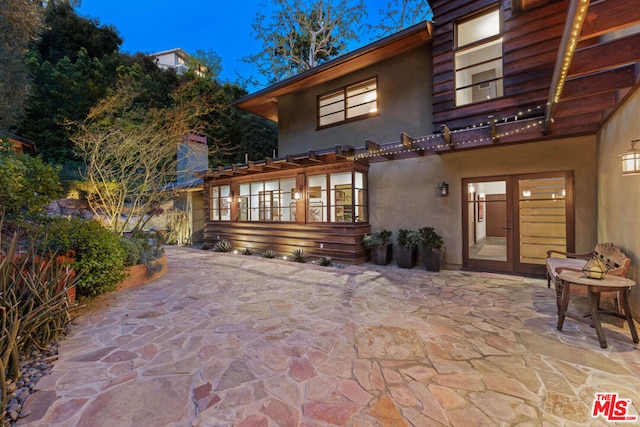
x: 506, y: 228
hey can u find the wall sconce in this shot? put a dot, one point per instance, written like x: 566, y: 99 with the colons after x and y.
x: 631, y: 160
x: 297, y: 195
x: 444, y: 189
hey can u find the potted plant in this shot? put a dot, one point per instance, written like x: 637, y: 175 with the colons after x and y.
x: 407, y: 250
x: 380, y: 246
x: 432, y: 248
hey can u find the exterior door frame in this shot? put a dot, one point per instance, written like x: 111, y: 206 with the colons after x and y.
x: 479, y: 264
x: 512, y: 223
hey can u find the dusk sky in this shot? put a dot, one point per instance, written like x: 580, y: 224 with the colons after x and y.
x: 150, y: 26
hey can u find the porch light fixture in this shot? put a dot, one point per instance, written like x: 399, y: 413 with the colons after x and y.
x: 631, y: 160
x: 296, y: 195
x: 444, y: 189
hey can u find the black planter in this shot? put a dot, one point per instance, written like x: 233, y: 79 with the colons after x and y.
x: 432, y: 258
x: 382, y: 255
x: 406, y: 258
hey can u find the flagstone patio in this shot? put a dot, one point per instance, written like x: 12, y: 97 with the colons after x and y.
x: 233, y: 340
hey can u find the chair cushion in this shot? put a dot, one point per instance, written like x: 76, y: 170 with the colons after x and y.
x: 553, y: 263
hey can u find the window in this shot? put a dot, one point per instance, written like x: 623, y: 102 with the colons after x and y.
x: 356, y: 101
x: 337, y: 197
x: 220, y: 203
x: 478, y: 58
x: 272, y: 200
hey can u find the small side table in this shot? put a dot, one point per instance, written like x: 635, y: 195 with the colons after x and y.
x: 617, y: 284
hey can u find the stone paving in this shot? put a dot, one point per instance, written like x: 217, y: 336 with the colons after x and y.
x: 233, y: 340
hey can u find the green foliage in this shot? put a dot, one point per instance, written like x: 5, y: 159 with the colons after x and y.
x: 133, y: 248
x: 205, y: 247
x: 99, y: 255
x: 298, y: 255
x: 430, y: 239
x: 20, y: 24
x: 34, y: 308
x: 224, y: 246
x: 376, y: 240
x: 270, y: 253
x: 409, y: 239
x: 325, y: 261
x: 27, y: 184
x: 247, y: 251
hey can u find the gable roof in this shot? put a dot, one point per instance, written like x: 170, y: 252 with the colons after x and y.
x: 265, y: 102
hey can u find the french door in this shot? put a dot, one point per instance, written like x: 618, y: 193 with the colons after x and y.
x: 511, y: 221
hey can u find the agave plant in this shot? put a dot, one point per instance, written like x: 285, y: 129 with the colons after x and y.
x: 298, y: 255
x: 247, y: 251
x: 325, y: 261
x: 270, y: 253
x: 224, y: 246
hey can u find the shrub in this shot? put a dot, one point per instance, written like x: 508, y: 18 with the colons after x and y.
x: 99, y: 255
x: 224, y: 246
x: 376, y: 240
x: 325, y: 261
x: 430, y: 239
x: 34, y: 308
x: 205, y: 247
x: 247, y: 251
x: 270, y: 253
x: 133, y: 249
x: 409, y: 239
x: 298, y: 255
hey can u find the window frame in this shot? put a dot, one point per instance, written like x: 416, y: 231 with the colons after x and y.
x: 343, y: 95
x: 474, y: 45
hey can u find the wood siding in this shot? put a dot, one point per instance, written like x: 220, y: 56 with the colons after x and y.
x: 604, y: 70
x: 530, y: 41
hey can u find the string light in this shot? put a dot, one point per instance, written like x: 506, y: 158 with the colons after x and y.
x: 399, y: 148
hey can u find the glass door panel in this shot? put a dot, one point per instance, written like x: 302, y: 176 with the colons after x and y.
x: 487, y: 229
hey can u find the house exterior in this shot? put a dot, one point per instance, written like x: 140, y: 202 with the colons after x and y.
x: 520, y: 107
x: 174, y: 59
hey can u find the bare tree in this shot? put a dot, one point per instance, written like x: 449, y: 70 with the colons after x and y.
x: 130, y: 151
x: 21, y: 22
x: 400, y: 14
x: 300, y: 35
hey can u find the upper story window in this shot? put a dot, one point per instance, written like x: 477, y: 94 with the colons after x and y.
x: 478, y: 58
x: 355, y: 101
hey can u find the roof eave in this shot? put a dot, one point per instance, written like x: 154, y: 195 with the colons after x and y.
x: 264, y: 102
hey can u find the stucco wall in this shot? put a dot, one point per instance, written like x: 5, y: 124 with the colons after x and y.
x: 404, y: 193
x: 404, y: 103
x: 619, y: 196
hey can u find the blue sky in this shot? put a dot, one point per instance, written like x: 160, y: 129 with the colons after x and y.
x: 224, y: 26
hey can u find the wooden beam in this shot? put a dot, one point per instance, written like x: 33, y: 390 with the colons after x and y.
x: 586, y: 104
x: 371, y: 146
x: 609, y: 15
x: 446, y: 134
x: 573, y: 25
x: 254, y: 167
x: 223, y: 172
x: 607, y: 55
x: 269, y: 163
x: 314, y: 157
x: 235, y: 168
x: 602, y: 82
x: 292, y: 161
x: 407, y: 141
